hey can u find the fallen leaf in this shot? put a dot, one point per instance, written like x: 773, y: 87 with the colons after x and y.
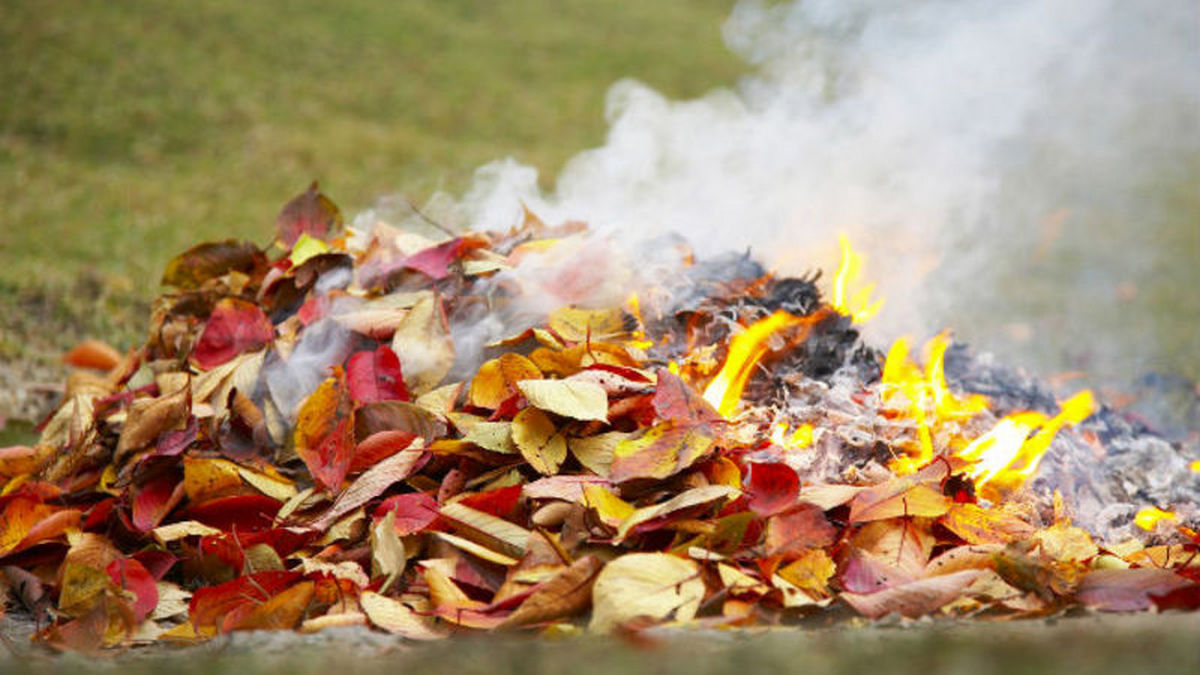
x: 914, y: 599
x: 578, y: 325
x: 235, y: 326
x: 372, y: 484
x: 1127, y: 590
x: 645, y: 517
x: 674, y: 400
x: 324, y: 435
x: 595, y: 453
x: 568, y: 593
x: 375, y: 376
x: 540, y: 442
x: 310, y: 213
x: 422, y: 341
x: 414, y: 511
x: 200, y: 263
x: 661, y: 451
x: 795, y: 531
x: 569, y: 398
x: 771, y: 487
x: 130, y: 575
x: 645, y: 585
x: 395, y: 617
x: 93, y: 354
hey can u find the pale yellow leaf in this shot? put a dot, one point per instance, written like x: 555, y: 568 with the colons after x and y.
x: 539, y: 440
x: 652, y: 585
x: 577, y: 399
x: 683, y: 500
x: 398, y: 618
x: 596, y: 452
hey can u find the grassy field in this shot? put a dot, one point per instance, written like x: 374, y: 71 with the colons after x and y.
x: 132, y: 130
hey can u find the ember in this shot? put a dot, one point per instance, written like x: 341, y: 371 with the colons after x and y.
x: 312, y: 441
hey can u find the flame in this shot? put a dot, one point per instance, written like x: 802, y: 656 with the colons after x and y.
x: 1150, y: 516
x: 634, y: 305
x: 799, y: 438
x: 1001, y: 459
x: 1195, y: 466
x: 745, y: 349
x: 857, y: 306
x: 1010, y: 453
x: 929, y: 401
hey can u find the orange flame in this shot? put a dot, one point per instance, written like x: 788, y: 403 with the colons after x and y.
x: 1001, y: 459
x: 857, y: 306
x: 745, y: 349
x: 799, y: 438
x: 634, y: 305
x: 1149, y: 517
x: 1010, y: 453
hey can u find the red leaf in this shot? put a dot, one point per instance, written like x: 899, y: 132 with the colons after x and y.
x: 214, y: 604
x: 1185, y: 599
x: 772, y: 487
x: 155, y: 500
x: 157, y: 563
x: 801, y: 528
x: 1127, y: 590
x: 914, y: 599
x: 378, y: 447
x: 311, y: 213
x: 500, y: 502
x: 245, y: 513
x: 434, y: 261
x: 324, y: 436
x: 235, y: 326
x: 414, y: 511
x: 675, y: 400
x: 376, y: 376
x: 130, y: 575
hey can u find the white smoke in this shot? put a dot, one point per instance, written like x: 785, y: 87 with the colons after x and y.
x: 954, y: 141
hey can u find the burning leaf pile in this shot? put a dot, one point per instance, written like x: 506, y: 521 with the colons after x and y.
x: 310, y: 437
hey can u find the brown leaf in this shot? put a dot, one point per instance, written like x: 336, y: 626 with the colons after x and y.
x: 897, y: 498
x: 210, y: 260
x: 568, y: 593
x: 795, y: 531
x: 148, y: 418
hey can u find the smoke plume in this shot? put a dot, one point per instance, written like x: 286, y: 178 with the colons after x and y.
x: 1004, y: 167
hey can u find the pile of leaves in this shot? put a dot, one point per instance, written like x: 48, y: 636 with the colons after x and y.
x: 574, y: 479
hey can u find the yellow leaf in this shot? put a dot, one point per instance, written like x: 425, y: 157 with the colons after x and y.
x: 810, y: 572
x: 577, y: 325
x: 539, y: 441
x: 477, y: 550
x: 611, y: 509
x: 494, y: 436
x: 422, y: 341
x: 580, y: 400
x: 652, y: 585
x: 306, y: 247
x: 388, y: 557
x: 187, y: 528
x: 738, y: 582
x: 683, y: 500
x: 596, y: 452
x: 274, y: 486
x: 660, y: 451
x: 507, y: 536
x: 497, y: 379
x: 398, y: 618
x: 205, y: 478
x: 282, y: 611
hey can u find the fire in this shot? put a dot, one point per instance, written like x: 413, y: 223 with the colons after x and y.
x: 1001, y: 459
x: 634, y: 305
x: 797, y: 439
x: 929, y: 401
x: 1010, y: 453
x: 745, y: 349
x: 1149, y: 517
x: 857, y: 306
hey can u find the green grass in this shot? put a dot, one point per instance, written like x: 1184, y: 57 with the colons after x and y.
x: 132, y: 130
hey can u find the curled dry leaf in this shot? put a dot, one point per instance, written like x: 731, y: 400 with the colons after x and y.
x: 422, y: 341
x: 914, y: 599
x: 567, y: 594
x: 645, y: 585
x: 398, y: 618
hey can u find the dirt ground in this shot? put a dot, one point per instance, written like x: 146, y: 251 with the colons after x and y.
x: 1093, y: 643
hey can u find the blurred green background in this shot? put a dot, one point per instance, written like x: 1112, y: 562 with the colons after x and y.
x: 132, y: 130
